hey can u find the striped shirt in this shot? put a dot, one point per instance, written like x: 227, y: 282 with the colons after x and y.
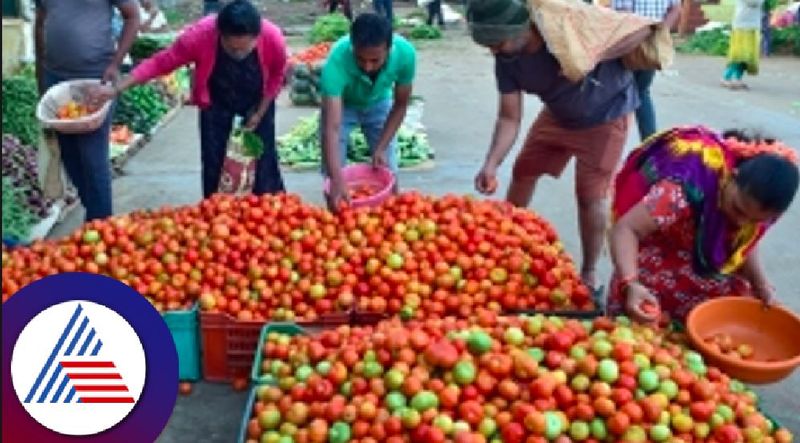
x: 652, y: 9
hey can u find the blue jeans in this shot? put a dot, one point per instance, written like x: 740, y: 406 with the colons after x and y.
x: 371, y: 120
x: 87, y: 163
x: 384, y: 8
x: 646, y: 112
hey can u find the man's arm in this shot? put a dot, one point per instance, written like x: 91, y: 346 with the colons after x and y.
x: 506, y: 129
x: 402, y: 97
x: 673, y: 14
x: 41, y: 13
x: 130, y: 29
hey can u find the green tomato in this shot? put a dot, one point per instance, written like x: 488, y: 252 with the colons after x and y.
x: 269, y: 419
x: 460, y: 426
x: 693, y: 358
x: 716, y: 420
x: 410, y: 418
x: 608, y: 370
x: 346, y: 389
x: 317, y: 291
x: 726, y: 412
x: 642, y: 361
x: 424, y: 400
x: 598, y: 427
x: 581, y: 383
x: 648, y: 380
x: 91, y: 236
x: 372, y: 369
x: 395, y: 261
x: 579, y: 430
x: 324, y: 367
x: 444, y: 423
x: 602, y: 348
x: 464, y: 372
x: 394, y: 379
x: 339, y: 432
x: 487, y: 427
x: 553, y: 425
x: 270, y: 437
x: 537, y: 354
x: 395, y: 400
x: 479, y: 342
x: 635, y: 434
x: 669, y: 388
x: 660, y: 433
x: 514, y: 336
x: 407, y: 312
x: 534, y: 325
x: 577, y: 352
x: 303, y: 372
x: 702, y: 430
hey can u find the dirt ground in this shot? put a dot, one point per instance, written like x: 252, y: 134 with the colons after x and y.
x: 455, y: 78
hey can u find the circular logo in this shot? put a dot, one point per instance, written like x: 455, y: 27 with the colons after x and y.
x: 85, y: 358
x: 80, y: 356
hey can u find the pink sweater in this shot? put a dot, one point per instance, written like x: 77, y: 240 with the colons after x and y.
x: 198, y: 44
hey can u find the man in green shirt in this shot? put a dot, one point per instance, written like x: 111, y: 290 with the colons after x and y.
x: 366, y: 81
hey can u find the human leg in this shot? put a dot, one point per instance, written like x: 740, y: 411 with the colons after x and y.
x: 215, y: 129
x: 268, y: 173
x: 645, y: 113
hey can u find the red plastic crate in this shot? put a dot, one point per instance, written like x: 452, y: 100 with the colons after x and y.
x: 228, y: 345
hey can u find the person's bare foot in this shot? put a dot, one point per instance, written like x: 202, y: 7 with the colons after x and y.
x: 741, y: 86
x: 726, y: 84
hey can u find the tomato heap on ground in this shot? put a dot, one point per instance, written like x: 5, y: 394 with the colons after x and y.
x: 529, y: 379
x: 274, y: 257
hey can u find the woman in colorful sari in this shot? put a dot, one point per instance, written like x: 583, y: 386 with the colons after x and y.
x: 689, y: 209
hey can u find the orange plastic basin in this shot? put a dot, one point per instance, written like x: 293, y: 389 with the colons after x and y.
x: 774, y: 334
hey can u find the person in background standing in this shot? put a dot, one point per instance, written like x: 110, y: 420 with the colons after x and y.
x: 667, y: 13
x: 435, y: 11
x: 745, y: 45
x: 240, y: 61
x: 347, y: 10
x: 384, y: 8
x: 211, y: 6
x: 74, y: 40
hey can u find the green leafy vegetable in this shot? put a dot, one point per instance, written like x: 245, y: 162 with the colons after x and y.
x: 425, y: 32
x: 329, y: 28
x: 20, y: 98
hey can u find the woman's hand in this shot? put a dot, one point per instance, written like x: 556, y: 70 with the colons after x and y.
x: 640, y: 304
x: 765, y: 292
x: 254, y: 120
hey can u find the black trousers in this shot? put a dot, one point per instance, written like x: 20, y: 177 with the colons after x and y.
x: 347, y: 10
x: 435, y: 10
x: 216, y: 124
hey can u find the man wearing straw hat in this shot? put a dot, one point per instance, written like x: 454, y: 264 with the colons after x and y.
x: 587, y: 119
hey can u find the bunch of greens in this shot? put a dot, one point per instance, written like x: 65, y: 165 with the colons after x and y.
x: 425, y: 32
x: 713, y: 42
x: 329, y: 28
x: 141, y: 108
x: 20, y: 98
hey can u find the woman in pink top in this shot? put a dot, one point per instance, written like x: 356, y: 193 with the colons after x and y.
x: 239, y: 61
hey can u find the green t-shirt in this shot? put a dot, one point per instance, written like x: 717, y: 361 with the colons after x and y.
x: 341, y: 76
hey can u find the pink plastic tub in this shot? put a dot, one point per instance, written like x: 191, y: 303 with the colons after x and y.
x: 366, y: 175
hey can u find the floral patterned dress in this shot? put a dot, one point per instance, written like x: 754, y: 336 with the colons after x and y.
x: 665, y: 258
